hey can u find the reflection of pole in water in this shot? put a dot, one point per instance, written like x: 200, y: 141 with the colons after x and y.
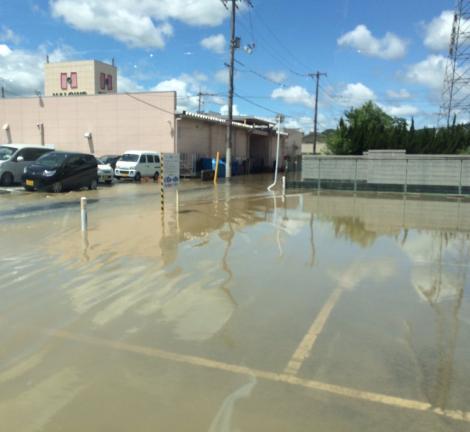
x: 312, y: 242
x: 447, y: 323
x: 85, y: 245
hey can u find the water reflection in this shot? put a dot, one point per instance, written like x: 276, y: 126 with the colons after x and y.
x: 440, y: 263
x: 236, y: 276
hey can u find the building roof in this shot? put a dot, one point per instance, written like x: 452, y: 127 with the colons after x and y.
x: 254, y: 124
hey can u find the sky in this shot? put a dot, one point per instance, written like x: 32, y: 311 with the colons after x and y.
x: 391, y: 52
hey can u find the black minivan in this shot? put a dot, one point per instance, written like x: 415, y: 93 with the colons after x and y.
x: 58, y: 171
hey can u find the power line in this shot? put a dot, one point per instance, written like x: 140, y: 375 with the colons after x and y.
x: 259, y: 75
x: 280, y: 42
x: 273, y: 52
x: 256, y: 104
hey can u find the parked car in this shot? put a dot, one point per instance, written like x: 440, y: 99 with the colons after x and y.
x: 14, y: 158
x: 136, y: 164
x: 105, y: 172
x: 59, y: 171
x: 110, y: 160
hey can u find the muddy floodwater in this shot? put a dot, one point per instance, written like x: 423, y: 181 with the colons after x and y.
x: 234, y: 310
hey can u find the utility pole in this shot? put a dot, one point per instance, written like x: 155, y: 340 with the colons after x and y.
x: 3, y: 92
x: 233, y: 43
x: 316, y: 75
x: 200, y: 102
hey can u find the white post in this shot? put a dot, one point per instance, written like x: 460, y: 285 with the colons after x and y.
x: 83, y: 213
x: 283, y: 185
x: 279, y: 118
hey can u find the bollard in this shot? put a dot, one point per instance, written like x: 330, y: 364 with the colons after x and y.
x: 283, y: 185
x: 83, y: 213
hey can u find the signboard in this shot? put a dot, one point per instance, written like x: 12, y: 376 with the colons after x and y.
x: 171, y: 169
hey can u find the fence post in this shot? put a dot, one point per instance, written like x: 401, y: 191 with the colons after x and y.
x: 319, y: 174
x: 355, y: 176
x: 405, y: 186
x: 460, y: 177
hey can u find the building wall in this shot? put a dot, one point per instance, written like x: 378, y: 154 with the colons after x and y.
x: 293, y: 142
x: 88, y: 78
x: 206, y: 139
x: 117, y: 122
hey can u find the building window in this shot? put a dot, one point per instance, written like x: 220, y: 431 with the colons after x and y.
x: 109, y: 82
x: 63, y: 81
x: 102, y: 81
x: 74, y: 80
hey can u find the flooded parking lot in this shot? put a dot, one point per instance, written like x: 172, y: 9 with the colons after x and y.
x: 235, y: 310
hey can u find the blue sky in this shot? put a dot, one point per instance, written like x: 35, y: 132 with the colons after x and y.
x: 392, y: 52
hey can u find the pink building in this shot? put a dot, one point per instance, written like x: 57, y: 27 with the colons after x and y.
x: 82, y: 112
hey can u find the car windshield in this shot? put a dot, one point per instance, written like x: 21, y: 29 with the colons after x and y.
x: 129, y: 157
x: 6, y: 153
x: 101, y: 161
x: 52, y: 160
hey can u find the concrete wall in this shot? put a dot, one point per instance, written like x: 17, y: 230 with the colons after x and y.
x: 117, y: 122
x: 388, y: 169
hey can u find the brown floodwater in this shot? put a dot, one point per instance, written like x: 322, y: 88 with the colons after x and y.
x: 234, y: 310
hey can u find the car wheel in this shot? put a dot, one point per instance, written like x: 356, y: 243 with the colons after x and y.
x: 155, y: 176
x: 108, y: 182
x: 57, y: 187
x: 7, y: 179
x: 93, y: 185
x: 29, y: 188
x: 137, y: 177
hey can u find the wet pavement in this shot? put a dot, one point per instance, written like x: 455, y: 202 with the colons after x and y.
x: 234, y: 310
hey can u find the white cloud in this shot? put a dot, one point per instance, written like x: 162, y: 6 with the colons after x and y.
x: 22, y: 71
x: 400, y: 110
x: 276, y: 76
x: 437, y: 32
x: 429, y: 72
x: 145, y: 23
x: 186, y: 87
x: 400, y: 94
x: 389, y: 47
x: 224, y: 110
x: 222, y: 76
x: 294, y: 95
x: 128, y: 85
x: 8, y: 35
x: 4, y: 50
x: 305, y: 123
x: 355, y: 94
x: 214, y: 43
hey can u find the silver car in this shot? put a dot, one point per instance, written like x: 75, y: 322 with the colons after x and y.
x: 14, y: 158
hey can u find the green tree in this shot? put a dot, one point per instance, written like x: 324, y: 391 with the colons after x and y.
x: 369, y: 127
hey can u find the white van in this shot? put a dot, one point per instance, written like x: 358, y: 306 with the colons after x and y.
x: 14, y: 158
x: 136, y: 164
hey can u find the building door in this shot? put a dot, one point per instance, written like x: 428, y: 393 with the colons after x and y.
x: 259, y: 153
